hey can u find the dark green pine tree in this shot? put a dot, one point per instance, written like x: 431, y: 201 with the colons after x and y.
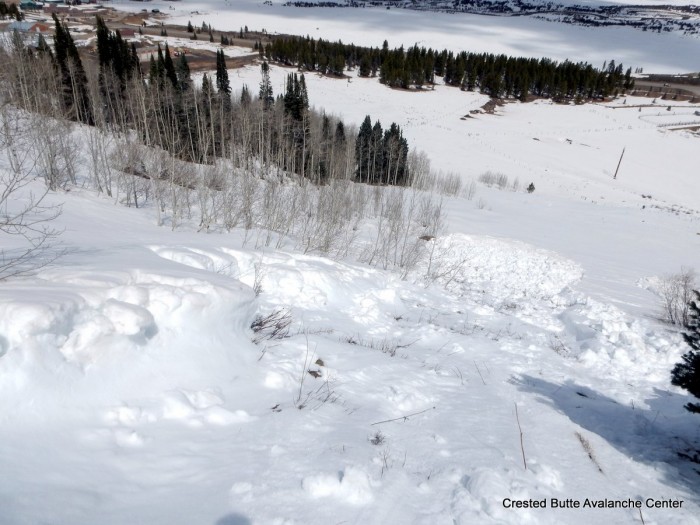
x: 43, y: 47
x: 206, y: 87
x: 222, y: 82
x: 169, y: 66
x: 135, y: 61
x: 116, y: 55
x: 296, y: 99
x: 265, y: 94
x: 103, y: 46
x: 190, y: 29
x: 365, y: 65
x: 156, y: 71
x: 245, y: 96
x: 339, y: 133
x: 375, y: 160
x: 362, y: 147
x: 687, y: 373
x: 157, y: 76
x: 75, y: 89
x: 182, y: 70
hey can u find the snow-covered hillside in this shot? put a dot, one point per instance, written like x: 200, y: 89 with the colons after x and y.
x: 169, y: 376
x: 134, y: 390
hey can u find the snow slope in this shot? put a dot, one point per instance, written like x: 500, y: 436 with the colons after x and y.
x: 527, y: 364
x: 131, y: 389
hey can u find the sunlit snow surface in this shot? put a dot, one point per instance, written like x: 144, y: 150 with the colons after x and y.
x: 131, y: 390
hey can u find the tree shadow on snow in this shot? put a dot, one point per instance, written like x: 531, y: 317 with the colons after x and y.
x: 233, y: 519
x: 664, y: 434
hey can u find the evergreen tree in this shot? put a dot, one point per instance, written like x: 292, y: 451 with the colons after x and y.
x: 206, y: 87
x: 222, y: 81
x: 190, y: 29
x: 182, y: 70
x: 115, y: 55
x: 169, y: 67
x: 687, y: 374
x: 265, y: 94
x: 362, y: 149
x: 245, y: 96
x: 156, y: 76
x: 296, y: 99
x: 365, y: 65
x: 340, y: 133
x: 376, y: 153
x: 103, y: 46
x: 75, y: 88
x: 43, y: 47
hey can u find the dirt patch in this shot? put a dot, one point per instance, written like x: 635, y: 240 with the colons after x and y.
x: 203, y: 60
x: 490, y: 107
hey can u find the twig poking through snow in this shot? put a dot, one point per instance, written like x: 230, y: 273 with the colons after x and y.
x: 481, y: 376
x: 522, y: 448
x: 403, y: 417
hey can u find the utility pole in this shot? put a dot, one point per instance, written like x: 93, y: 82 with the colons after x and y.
x: 618, y: 163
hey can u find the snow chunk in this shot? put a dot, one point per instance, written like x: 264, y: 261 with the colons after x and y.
x: 352, y: 486
x: 129, y: 319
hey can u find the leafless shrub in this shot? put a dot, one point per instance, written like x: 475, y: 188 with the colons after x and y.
x: 676, y: 293
x: 378, y: 438
x: 385, y: 459
x: 385, y: 345
x: 424, y: 179
x: 403, y: 218
x: 315, y: 398
x: 558, y: 346
x: 490, y: 178
x: 272, y: 326
x: 24, y: 214
x: 304, y: 370
x: 469, y: 190
x: 449, y: 184
x: 55, y: 150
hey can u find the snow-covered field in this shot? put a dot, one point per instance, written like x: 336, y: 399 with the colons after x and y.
x: 532, y: 367
x: 516, y: 36
x: 565, y: 150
